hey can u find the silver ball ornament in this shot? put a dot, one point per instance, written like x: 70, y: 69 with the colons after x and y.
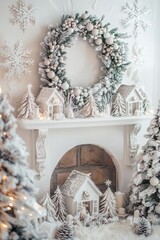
x: 65, y: 86
x: 154, y: 181
x: 85, y: 15
x: 98, y: 41
x: 106, y: 35
x: 46, y: 62
x: 157, y: 208
x: 109, y: 40
x: 89, y: 27
x: 51, y: 74
x: 95, y: 32
x: 56, y: 78
x: 70, y: 30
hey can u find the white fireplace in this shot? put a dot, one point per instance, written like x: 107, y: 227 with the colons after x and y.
x: 48, y: 140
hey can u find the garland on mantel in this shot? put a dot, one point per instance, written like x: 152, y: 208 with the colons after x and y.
x: 111, y: 50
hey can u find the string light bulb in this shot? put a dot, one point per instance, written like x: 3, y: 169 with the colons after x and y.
x: 4, y: 178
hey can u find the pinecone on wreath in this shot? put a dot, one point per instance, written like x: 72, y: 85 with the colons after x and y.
x: 64, y: 232
x: 143, y: 227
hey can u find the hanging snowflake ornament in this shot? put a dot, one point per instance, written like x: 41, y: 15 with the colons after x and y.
x: 23, y: 14
x: 138, y: 57
x: 15, y: 59
x: 136, y: 16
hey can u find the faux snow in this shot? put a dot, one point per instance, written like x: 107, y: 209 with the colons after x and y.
x: 115, y: 231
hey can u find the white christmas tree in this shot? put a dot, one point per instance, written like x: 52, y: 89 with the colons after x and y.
x: 47, y: 203
x: 58, y: 201
x: 90, y: 109
x: 108, y: 202
x: 145, y: 187
x: 28, y: 107
x: 18, y: 206
x: 118, y: 107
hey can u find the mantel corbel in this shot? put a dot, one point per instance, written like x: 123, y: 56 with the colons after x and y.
x: 132, y: 142
x: 41, y: 135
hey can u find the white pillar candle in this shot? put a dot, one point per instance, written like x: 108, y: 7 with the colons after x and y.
x: 121, y: 211
x: 119, y: 199
x: 136, y: 216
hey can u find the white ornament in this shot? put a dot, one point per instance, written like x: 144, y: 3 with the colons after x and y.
x: 95, y: 32
x: 157, y: 209
x: 109, y: 40
x: 46, y: 62
x: 77, y: 91
x: 56, y: 78
x: 51, y: 74
x: 16, y: 60
x: 85, y: 15
x: 115, y: 46
x: 89, y: 27
x: 136, y: 17
x: 106, y: 35
x: 70, y: 30
x: 65, y: 86
x: 154, y: 181
x: 98, y: 41
x: 22, y: 14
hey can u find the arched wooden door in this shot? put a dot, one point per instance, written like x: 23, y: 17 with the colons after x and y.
x: 88, y: 159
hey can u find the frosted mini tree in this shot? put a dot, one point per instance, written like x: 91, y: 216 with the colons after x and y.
x: 108, y: 202
x: 58, y: 201
x: 118, y: 107
x: 90, y: 109
x: 145, y: 187
x: 47, y: 203
x: 18, y: 206
x: 29, y: 107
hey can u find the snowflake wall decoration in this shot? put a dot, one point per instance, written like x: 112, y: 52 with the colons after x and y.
x: 23, y: 14
x: 138, y: 56
x: 15, y: 60
x: 136, y: 16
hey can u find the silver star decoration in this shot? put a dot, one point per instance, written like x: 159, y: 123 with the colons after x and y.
x: 136, y: 16
x: 108, y: 182
x: 23, y: 14
x: 15, y: 60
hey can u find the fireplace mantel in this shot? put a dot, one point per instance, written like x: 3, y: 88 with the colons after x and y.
x: 82, y: 122
x: 40, y: 128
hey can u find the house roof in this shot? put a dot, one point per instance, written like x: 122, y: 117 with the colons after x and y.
x: 75, y: 180
x: 46, y: 93
x: 126, y: 90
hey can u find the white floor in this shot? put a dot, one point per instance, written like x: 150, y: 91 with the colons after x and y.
x: 113, y: 231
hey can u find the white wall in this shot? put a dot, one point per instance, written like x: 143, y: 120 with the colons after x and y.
x: 50, y: 12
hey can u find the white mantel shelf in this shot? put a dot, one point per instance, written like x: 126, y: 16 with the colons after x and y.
x: 82, y: 123
x: 40, y: 129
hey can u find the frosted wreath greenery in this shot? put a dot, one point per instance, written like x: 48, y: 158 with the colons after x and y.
x: 111, y: 50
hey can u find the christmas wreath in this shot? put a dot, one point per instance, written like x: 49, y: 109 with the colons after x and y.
x: 111, y: 50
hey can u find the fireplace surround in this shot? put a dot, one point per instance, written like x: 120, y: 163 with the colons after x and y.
x: 48, y: 140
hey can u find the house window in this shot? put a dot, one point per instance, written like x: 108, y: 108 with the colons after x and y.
x: 140, y: 106
x: 50, y: 111
x: 79, y: 206
x: 130, y: 110
x: 95, y: 209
